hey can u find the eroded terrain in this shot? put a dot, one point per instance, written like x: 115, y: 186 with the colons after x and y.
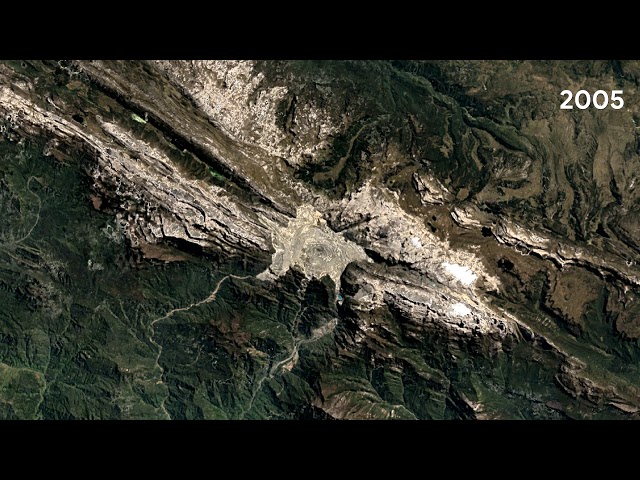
x: 217, y: 239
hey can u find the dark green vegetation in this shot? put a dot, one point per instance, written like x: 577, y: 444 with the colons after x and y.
x: 75, y: 329
x: 91, y: 328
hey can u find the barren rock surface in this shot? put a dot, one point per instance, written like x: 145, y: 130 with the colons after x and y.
x: 371, y: 239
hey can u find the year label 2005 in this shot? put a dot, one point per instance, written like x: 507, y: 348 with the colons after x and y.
x: 600, y: 99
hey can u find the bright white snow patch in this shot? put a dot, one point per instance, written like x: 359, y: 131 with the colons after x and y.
x: 416, y: 242
x: 462, y: 273
x: 460, y: 309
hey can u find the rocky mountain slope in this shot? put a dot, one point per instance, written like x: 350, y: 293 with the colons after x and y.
x: 253, y: 239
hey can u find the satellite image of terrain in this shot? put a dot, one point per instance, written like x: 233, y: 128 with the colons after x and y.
x: 320, y: 239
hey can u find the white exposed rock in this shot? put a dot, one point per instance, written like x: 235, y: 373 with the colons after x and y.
x: 467, y: 216
x: 460, y: 309
x: 310, y: 244
x: 199, y: 207
x: 200, y: 213
x: 461, y: 272
x: 233, y: 95
x: 397, y: 235
x: 527, y: 241
x: 427, y: 303
x: 431, y: 190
